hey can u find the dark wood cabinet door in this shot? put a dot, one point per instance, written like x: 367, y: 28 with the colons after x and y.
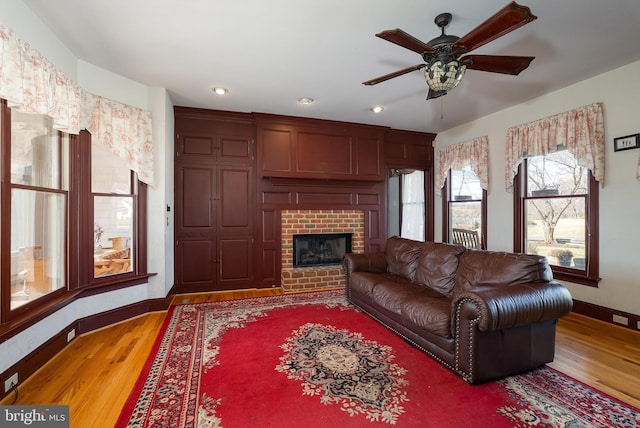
x: 196, y: 265
x: 195, y: 199
x: 235, y: 262
x: 236, y: 201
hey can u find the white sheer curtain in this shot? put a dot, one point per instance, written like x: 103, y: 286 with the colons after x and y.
x: 413, y: 206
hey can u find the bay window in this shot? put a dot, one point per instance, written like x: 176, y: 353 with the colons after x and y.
x: 73, y: 216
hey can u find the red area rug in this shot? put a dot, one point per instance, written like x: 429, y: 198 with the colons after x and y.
x: 312, y: 360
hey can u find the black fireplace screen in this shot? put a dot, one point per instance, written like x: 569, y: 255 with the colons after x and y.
x: 320, y: 248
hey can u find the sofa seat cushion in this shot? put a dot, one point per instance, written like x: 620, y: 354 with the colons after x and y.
x: 417, y: 304
x: 431, y: 311
x: 391, y: 295
x: 364, y: 282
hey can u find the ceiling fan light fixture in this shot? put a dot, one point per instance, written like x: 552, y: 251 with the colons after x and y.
x: 444, y: 79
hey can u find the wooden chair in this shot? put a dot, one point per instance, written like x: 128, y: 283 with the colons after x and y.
x: 467, y: 238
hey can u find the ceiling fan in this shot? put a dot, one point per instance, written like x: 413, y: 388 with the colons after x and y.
x: 444, y: 68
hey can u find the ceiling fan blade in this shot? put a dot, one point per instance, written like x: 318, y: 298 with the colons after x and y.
x: 405, y: 40
x: 513, y: 65
x: 394, y: 74
x: 509, y: 18
x: 435, y: 94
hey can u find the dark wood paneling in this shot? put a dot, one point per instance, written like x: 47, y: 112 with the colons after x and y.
x: 408, y: 149
x: 368, y: 199
x: 277, y: 198
x: 270, y: 225
x: 215, y: 200
x: 269, y: 266
x: 235, y: 262
x: 236, y: 204
x: 374, y: 231
x: 269, y: 248
x: 319, y: 149
x: 368, y: 159
x: 195, y: 189
x: 196, y: 146
x: 276, y: 150
x: 322, y: 199
x: 235, y: 148
x: 324, y: 154
x: 196, y: 264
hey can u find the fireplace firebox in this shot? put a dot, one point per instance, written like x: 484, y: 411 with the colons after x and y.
x: 320, y: 249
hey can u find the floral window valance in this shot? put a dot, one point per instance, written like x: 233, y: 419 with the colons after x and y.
x: 474, y: 152
x: 32, y: 84
x: 580, y: 131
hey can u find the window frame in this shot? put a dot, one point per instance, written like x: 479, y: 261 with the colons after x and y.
x: 78, y: 236
x: 590, y: 276
x: 6, y: 313
x: 447, y: 199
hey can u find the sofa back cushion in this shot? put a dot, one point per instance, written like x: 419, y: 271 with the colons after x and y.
x: 402, y: 256
x: 437, y: 266
x: 497, y: 268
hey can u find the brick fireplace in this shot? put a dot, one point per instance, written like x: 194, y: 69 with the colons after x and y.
x: 317, y: 221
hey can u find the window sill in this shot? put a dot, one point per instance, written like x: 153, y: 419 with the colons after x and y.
x: 25, y: 320
x: 574, y: 277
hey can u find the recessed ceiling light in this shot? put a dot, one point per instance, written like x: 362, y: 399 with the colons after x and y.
x: 376, y: 109
x: 305, y: 100
x: 220, y: 90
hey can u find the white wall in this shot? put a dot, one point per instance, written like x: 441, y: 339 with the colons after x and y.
x: 619, y: 91
x: 101, y: 82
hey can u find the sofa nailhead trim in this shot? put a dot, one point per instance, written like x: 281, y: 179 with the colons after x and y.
x: 467, y: 376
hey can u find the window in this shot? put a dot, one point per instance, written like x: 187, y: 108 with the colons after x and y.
x: 113, y: 211
x: 412, y: 206
x: 73, y: 215
x: 406, y: 207
x: 37, y: 211
x: 556, y: 213
x: 464, y: 209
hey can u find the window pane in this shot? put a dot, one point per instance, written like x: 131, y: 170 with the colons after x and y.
x: 109, y: 173
x: 556, y: 229
x: 113, y: 233
x: 413, y: 206
x: 557, y: 173
x: 37, y: 244
x: 34, y: 151
x: 465, y: 185
x: 466, y: 215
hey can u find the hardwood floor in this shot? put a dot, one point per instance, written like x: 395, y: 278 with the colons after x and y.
x: 96, y: 372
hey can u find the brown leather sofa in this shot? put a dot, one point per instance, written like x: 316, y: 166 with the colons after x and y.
x: 483, y: 314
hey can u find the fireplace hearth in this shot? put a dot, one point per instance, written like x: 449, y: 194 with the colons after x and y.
x: 320, y: 249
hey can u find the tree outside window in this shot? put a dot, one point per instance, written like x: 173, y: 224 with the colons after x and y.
x: 558, y: 208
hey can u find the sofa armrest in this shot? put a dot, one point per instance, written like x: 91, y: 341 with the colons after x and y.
x: 515, y: 305
x: 368, y: 262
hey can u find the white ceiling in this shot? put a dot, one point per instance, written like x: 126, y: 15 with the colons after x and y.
x: 269, y: 53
